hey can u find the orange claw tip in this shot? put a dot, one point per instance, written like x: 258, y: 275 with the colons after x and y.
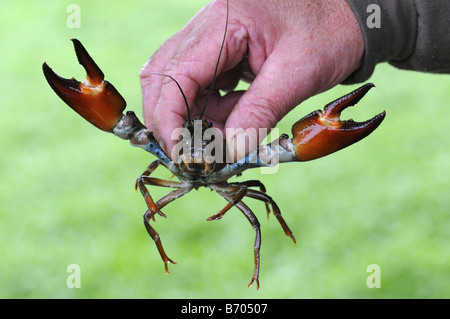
x: 334, y: 109
x: 93, y: 73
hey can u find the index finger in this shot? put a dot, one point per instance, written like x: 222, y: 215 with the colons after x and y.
x: 151, y: 83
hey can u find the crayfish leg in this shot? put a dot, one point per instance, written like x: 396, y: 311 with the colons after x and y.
x: 153, y: 208
x: 262, y: 188
x: 262, y: 196
x: 155, y: 236
x: 276, y: 211
x: 257, y: 245
x: 140, y: 183
x: 239, y: 193
x: 255, y: 224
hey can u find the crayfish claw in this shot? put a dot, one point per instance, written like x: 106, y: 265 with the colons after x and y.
x: 95, y: 99
x: 322, y: 132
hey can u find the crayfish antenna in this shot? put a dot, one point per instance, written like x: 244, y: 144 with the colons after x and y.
x: 322, y: 132
x: 211, y: 87
x: 95, y: 99
x: 181, y: 91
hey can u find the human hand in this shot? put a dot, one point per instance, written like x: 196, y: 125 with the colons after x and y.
x: 289, y: 50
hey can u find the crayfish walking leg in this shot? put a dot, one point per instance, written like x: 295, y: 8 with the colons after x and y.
x: 234, y: 195
x: 141, y: 185
x: 155, y: 236
x: 262, y: 188
x: 238, y: 194
x: 276, y: 211
x: 241, y: 190
x: 257, y: 245
x: 153, y: 208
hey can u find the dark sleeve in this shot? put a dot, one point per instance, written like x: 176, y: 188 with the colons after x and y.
x: 413, y: 35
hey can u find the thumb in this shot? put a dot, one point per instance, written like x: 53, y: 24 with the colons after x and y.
x: 273, y: 93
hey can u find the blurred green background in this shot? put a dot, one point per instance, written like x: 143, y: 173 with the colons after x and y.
x: 67, y: 190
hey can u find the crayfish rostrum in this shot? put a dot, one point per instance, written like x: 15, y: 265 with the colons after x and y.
x: 317, y: 134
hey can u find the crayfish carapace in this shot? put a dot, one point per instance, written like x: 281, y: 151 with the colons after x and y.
x: 317, y: 134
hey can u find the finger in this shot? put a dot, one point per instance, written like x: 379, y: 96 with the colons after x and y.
x: 228, y: 80
x: 219, y: 108
x: 276, y: 89
x: 171, y: 110
x: 151, y: 83
x: 193, y: 67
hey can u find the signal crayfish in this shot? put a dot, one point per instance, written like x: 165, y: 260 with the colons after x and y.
x: 315, y: 135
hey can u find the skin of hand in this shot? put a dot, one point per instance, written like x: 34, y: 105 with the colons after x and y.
x: 288, y: 50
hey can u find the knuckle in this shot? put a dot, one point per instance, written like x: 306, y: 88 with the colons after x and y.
x: 265, y: 111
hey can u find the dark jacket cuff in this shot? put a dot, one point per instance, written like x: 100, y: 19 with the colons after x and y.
x: 389, y: 28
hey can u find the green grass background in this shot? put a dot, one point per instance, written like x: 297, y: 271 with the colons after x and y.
x: 67, y: 189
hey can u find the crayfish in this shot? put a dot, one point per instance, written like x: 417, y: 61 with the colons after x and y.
x: 315, y: 135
